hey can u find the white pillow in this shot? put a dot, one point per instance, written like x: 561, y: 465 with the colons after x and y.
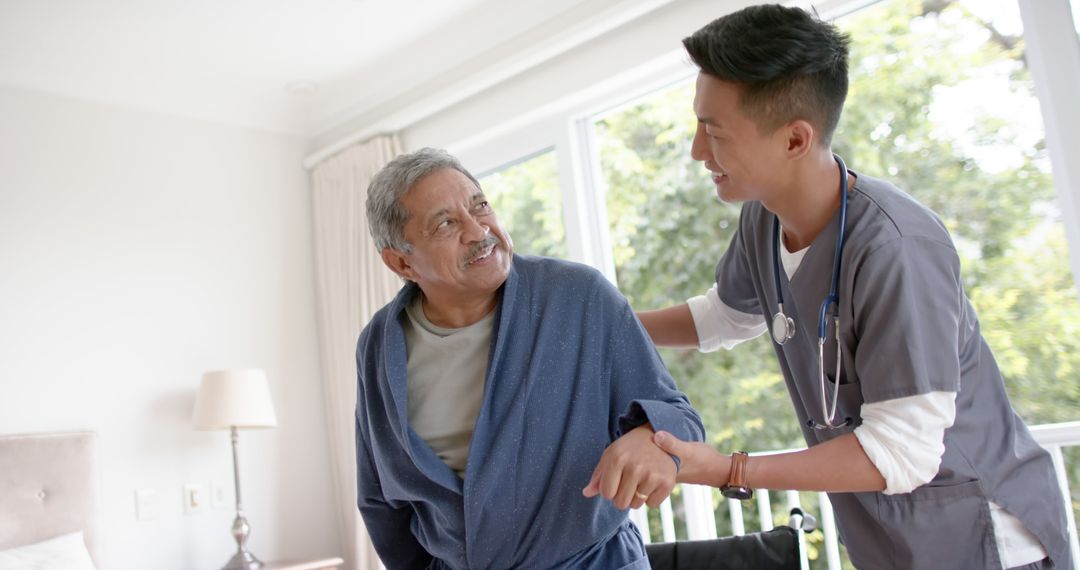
x: 67, y: 552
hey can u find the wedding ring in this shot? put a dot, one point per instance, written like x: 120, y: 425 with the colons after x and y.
x: 641, y: 496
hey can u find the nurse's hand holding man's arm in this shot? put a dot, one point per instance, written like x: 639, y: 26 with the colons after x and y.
x: 633, y: 471
x: 839, y: 465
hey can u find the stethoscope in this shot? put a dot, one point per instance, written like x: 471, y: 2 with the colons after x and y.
x: 783, y: 326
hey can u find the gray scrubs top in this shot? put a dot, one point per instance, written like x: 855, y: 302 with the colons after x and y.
x: 907, y: 328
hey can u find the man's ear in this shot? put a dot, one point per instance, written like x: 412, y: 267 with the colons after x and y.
x: 398, y: 262
x: 800, y: 138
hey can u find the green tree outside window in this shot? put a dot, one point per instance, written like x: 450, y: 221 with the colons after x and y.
x: 528, y: 202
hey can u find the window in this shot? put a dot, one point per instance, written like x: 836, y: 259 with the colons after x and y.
x: 527, y: 200
x: 942, y: 104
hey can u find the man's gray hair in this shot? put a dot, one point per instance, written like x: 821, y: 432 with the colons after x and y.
x: 385, y: 213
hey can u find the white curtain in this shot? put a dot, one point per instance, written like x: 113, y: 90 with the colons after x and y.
x: 352, y: 283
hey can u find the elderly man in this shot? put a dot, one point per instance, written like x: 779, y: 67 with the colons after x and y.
x: 490, y: 387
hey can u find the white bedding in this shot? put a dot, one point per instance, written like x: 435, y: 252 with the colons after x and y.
x: 66, y: 552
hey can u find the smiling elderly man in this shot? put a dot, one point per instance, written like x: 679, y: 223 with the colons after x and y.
x: 490, y: 387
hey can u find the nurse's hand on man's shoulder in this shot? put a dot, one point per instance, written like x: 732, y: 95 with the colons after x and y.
x: 701, y: 464
x: 633, y: 471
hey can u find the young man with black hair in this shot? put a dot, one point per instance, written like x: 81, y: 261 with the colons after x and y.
x: 902, y: 406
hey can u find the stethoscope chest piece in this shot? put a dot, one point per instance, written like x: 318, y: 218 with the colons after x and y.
x: 783, y: 327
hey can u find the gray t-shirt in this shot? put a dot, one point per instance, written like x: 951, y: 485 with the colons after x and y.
x: 445, y: 376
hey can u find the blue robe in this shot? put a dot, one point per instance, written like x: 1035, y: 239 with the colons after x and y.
x: 569, y: 371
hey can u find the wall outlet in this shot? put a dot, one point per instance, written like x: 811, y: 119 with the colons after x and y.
x: 146, y: 504
x: 219, y: 495
x: 195, y: 498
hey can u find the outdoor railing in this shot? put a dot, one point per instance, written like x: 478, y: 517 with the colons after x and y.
x: 698, y: 504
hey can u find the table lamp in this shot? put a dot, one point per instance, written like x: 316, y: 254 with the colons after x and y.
x: 232, y: 400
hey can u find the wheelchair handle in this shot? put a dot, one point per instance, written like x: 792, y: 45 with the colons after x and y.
x: 802, y: 521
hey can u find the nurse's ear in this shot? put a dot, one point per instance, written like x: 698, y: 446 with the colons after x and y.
x: 800, y: 138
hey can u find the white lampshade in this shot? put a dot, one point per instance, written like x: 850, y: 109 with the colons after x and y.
x: 234, y: 398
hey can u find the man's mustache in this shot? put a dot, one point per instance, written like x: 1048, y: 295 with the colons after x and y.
x: 481, y: 246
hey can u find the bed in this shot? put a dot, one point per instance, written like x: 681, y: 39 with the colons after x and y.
x: 49, y: 487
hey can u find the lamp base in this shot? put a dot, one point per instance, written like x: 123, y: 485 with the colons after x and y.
x: 243, y: 560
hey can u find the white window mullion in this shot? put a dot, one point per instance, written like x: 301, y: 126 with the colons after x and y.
x: 575, y: 217
x: 585, y: 211
x: 1053, y: 56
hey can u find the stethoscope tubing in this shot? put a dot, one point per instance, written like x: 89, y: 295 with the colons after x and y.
x: 834, y: 285
x: 833, y: 299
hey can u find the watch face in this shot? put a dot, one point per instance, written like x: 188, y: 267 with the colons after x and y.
x: 737, y: 493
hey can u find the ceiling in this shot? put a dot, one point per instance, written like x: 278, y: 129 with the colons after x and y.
x: 295, y: 66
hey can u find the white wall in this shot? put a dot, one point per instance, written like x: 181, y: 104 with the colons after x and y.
x: 137, y: 251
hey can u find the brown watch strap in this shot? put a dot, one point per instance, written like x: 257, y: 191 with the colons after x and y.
x: 738, y: 469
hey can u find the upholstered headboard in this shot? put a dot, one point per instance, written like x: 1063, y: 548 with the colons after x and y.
x: 48, y: 487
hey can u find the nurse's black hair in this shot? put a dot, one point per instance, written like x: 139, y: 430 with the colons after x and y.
x: 790, y: 64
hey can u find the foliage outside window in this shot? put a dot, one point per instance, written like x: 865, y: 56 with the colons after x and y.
x: 528, y: 202
x: 941, y: 103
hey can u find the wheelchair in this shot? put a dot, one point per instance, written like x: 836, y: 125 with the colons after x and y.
x: 776, y: 549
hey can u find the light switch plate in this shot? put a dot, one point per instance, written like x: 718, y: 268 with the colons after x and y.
x: 146, y: 504
x: 195, y: 498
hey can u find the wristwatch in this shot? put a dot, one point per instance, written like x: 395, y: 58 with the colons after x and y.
x: 736, y: 487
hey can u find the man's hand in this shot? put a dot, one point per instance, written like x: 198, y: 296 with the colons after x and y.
x: 633, y: 471
x: 701, y: 464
